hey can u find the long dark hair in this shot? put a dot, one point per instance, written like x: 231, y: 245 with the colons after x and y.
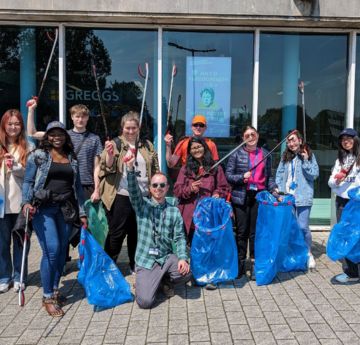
x: 192, y: 165
x: 342, y: 153
x: 68, y: 147
x: 288, y: 155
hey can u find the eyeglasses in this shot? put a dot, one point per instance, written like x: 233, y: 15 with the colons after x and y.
x: 158, y: 185
x: 198, y: 125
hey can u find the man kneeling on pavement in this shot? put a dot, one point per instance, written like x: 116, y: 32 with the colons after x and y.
x: 160, y: 258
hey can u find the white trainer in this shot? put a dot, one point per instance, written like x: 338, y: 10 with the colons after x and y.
x: 343, y: 278
x: 17, y: 286
x: 311, y: 262
x: 4, y: 287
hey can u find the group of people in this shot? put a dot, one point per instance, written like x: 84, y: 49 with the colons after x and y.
x: 52, y: 182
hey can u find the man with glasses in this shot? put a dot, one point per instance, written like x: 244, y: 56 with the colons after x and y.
x: 160, y: 258
x: 198, y: 127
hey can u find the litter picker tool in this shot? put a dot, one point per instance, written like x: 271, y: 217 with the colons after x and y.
x: 23, y: 259
x: 169, y: 114
x: 146, y: 77
x: 55, y: 39
x: 102, y: 108
x: 271, y: 151
x: 301, y: 88
x: 203, y: 172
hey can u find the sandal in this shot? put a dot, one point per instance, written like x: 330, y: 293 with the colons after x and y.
x: 52, y: 307
x: 60, y: 298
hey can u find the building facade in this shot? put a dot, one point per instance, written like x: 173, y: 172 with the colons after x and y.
x: 237, y: 62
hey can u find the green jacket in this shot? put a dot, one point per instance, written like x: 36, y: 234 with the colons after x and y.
x: 110, y: 176
x: 160, y: 227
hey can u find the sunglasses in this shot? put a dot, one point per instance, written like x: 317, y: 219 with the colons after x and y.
x: 198, y: 125
x: 158, y: 185
x: 250, y: 135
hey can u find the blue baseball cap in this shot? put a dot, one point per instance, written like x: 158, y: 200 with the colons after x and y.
x: 55, y: 124
x: 350, y: 132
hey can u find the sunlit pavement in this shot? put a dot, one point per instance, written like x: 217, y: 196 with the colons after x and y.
x: 297, y: 308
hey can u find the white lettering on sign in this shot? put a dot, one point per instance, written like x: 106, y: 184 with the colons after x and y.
x: 88, y: 95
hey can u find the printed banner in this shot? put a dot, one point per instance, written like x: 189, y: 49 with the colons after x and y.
x: 208, y: 87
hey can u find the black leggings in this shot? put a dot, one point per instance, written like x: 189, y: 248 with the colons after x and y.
x: 122, y: 221
x: 245, y: 217
x: 349, y: 267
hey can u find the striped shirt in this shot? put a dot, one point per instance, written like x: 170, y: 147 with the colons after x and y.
x: 160, y: 227
x: 90, y: 148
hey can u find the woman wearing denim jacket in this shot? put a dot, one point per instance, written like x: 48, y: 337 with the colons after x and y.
x: 295, y: 175
x: 52, y: 182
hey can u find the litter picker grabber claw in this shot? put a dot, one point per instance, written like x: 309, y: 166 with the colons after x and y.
x: 23, y: 259
x: 55, y: 39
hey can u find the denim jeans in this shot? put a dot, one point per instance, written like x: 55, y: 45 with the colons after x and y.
x: 303, y: 215
x: 53, y: 235
x: 10, y: 269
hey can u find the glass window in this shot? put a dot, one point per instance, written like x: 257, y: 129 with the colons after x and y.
x: 319, y: 61
x: 214, y: 78
x: 357, y: 86
x: 24, y: 54
x: 116, y: 58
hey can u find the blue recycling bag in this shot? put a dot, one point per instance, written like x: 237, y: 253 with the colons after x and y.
x: 104, y: 284
x: 213, y: 249
x: 279, y: 242
x: 344, y: 239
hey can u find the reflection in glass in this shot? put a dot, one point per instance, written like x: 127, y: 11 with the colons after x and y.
x: 214, y: 77
x: 320, y: 62
x: 24, y: 54
x: 357, y: 86
x: 115, y: 55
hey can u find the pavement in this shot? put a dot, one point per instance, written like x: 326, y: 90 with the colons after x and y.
x: 297, y: 308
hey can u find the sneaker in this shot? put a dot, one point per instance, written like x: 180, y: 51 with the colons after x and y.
x: 168, y: 290
x: 210, y: 286
x: 311, y: 262
x: 343, y: 278
x: 17, y: 286
x: 4, y: 287
x: 132, y: 270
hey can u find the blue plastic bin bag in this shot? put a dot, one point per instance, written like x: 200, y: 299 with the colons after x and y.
x: 97, y: 221
x: 2, y: 208
x: 279, y: 242
x: 344, y: 239
x: 104, y: 284
x: 213, y: 249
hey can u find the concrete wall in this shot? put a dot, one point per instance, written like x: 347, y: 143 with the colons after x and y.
x: 325, y: 13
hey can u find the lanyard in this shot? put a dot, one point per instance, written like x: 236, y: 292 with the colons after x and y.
x: 255, y: 162
x: 156, y: 230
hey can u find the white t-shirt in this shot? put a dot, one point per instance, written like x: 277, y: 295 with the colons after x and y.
x: 140, y: 172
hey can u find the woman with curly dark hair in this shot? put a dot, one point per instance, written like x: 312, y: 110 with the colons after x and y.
x: 52, y: 183
x: 196, y: 181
